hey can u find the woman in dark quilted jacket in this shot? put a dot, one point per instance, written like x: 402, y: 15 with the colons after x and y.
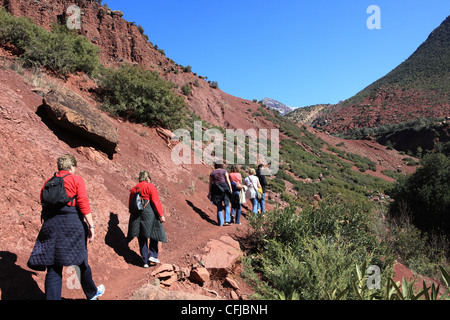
x: 62, y: 240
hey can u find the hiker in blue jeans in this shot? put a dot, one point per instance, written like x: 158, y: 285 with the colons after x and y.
x: 236, y: 185
x: 220, y: 193
x: 253, y: 185
x: 264, y: 184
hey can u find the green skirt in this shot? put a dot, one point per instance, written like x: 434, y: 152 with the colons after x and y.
x: 146, y: 225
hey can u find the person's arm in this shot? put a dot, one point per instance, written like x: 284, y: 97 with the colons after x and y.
x: 228, y: 180
x: 81, y: 196
x: 156, y: 202
x: 209, y: 188
x: 84, y: 206
x: 91, y: 226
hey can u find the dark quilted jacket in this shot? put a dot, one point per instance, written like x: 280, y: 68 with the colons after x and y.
x: 146, y: 225
x: 61, y: 241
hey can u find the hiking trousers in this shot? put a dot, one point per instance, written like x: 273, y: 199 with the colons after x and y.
x: 53, y: 282
x: 148, y: 250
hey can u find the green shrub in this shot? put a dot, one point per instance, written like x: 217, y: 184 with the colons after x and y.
x: 139, y: 95
x: 311, y: 254
x: 186, y: 89
x: 62, y: 51
x: 426, y: 194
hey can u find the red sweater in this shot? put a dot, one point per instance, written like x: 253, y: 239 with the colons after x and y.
x: 74, y: 185
x: 148, y: 192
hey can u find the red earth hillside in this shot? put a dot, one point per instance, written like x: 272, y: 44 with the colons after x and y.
x: 30, y: 145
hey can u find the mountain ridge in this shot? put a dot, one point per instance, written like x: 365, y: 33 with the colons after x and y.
x: 277, y: 105
x: 417, y: 88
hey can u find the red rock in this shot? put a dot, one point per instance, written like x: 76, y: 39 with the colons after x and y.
x: 170, y: 281
x: 162, y: 268
x: 222, y: 255
x: 199, y: 275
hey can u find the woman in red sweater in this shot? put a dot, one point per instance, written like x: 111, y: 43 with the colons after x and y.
x: 147, y: 225
x: 62, y: 239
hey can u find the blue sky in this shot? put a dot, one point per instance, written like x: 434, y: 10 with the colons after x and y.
x: 299, y: 52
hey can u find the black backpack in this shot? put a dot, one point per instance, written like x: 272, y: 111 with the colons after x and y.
x: 136, y: 203
x: 54, y: 196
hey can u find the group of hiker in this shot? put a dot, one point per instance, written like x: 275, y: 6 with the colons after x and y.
x: 67, y: 222
x: 228, y: 192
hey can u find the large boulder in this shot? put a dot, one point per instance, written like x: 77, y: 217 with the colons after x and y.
x: 71, y: 112
x: 221, y: 256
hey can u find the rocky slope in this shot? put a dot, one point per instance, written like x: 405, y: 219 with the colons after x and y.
x: 29, y: 147
x: 30, y: 144
x: 121, y: 41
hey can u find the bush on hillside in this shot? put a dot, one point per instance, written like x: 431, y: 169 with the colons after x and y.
x: 312, y: 254
x: 426, y: 194
x: 62, y: 51
x: 143, y: 96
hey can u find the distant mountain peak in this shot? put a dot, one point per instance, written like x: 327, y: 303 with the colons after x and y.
x: 277, y: 105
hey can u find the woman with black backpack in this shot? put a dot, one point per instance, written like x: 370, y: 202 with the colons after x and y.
x: 67, y: 224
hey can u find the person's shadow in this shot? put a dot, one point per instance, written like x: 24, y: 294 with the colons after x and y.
x: 116, y: 239
x: 17, y: 283
x: 201, y: 213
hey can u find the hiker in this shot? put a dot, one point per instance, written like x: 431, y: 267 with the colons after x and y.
x: 236, y: 185
x: 62, y: 240
x: 254, y: 189
x: 146, y: 225
x: 264, y: 184
x: 220, y: 193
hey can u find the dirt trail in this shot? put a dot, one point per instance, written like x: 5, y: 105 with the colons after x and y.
x: 29, y: 148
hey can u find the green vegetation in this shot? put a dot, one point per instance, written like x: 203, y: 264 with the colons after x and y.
x: 426, y: 194
x: 322, y: 250
x: 186, y: 89
x: 61, y: 51
x: 302, y: 156
x: 214, y: 84
x: 143, y: 96
x: 130, y: 91
x: 314, y: 253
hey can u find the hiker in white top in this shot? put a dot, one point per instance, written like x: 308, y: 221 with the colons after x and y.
x: 252, y: 182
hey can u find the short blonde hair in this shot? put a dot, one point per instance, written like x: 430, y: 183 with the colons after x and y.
x: 143, y: 175
x: 251, y: 171
x: 66, y: 162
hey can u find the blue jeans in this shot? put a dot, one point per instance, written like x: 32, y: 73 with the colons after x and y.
x: 53, y: 282
x: 220, y: 208
x: 147, y: 250
x: 262, y: 203
x: 254, y: 205
x: 236, y: 211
